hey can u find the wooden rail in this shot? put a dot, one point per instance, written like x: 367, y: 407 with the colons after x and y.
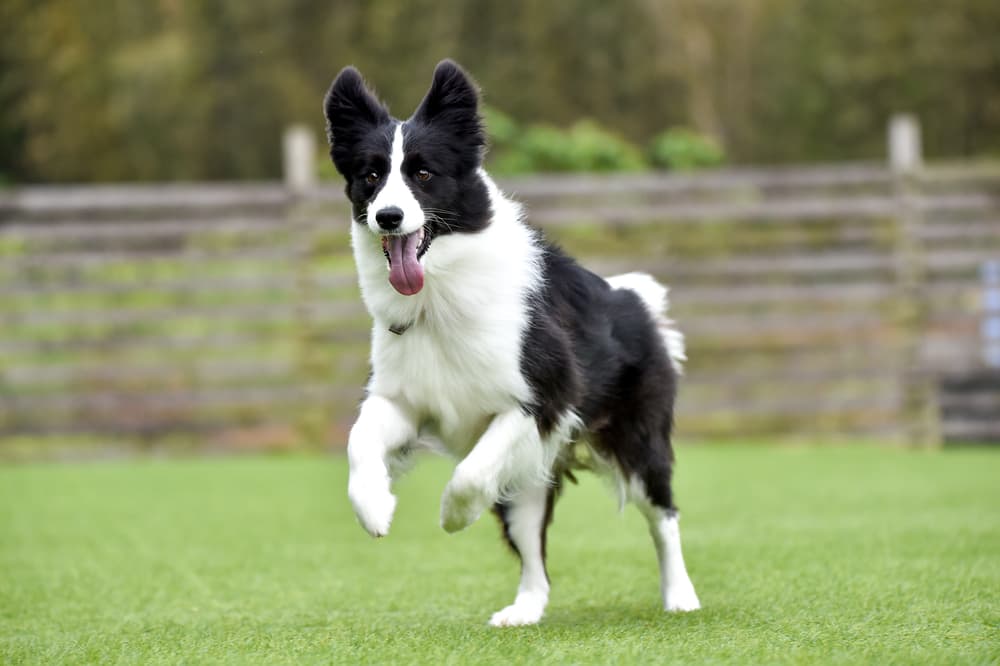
x: 221, y: 308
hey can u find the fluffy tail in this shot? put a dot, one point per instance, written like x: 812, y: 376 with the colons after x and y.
x: 654, y: 295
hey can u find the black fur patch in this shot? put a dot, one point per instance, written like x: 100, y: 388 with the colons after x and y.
x: 597, y: 351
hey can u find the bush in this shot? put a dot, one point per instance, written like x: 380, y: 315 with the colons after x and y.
x: 325, y: 169
x: 586, y: 146
x: 683, y: 149
x: 502, y: 128
x: 596, y: 149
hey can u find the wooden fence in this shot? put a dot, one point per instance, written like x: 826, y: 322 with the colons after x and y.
x: 819, y: 301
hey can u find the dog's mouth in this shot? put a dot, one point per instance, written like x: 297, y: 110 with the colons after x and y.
x: 403, y: 252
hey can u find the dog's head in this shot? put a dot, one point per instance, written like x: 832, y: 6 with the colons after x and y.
x: 415, y: 180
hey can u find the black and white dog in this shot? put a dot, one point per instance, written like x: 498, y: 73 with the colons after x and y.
x: 491, y: 345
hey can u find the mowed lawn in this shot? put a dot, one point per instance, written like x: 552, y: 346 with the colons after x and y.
x: 800, y: 555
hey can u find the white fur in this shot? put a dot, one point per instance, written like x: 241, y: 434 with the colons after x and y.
x: 510, y: 449
x: 676, y: 587
x: 525, y: 518
x: 654, y: 297
x: 382, y: 428
x: 396, y: 192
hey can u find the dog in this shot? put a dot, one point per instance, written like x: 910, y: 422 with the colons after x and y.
x: 491, y: 345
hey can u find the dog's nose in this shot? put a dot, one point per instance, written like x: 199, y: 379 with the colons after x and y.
x: 389, y: 218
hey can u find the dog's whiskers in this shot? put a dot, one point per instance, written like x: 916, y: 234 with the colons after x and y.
x: 438, y: 219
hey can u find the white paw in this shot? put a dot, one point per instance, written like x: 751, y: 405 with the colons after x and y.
x: 519, y: 613
x: 461, y: 504
x: 373, y: 504
x: 681, y: 597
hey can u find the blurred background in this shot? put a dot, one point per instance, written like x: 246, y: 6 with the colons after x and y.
x: 818, y: 181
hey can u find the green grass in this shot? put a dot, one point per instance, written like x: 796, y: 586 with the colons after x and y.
x: 844, y: 555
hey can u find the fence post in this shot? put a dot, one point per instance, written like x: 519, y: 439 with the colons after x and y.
x: 299, y: 150
x: 990, y: 327
x: 916, y: 387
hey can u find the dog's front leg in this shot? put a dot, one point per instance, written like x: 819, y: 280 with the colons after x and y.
x: 381, y: 429
x: 508, y: 455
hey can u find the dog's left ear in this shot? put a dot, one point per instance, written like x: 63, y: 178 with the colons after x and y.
x: 453, y: 101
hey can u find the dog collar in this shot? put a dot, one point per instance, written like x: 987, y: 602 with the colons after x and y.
x: 399, y: 329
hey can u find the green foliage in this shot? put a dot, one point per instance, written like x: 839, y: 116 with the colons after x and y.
x: 800, y: 556
x: 683, y: 149
x: 585, y: 146
x: 203, y: 90
x: 325, y: 169
x: 502, y: 128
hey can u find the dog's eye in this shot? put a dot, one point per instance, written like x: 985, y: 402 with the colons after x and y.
x: 423, y: 175
x: 372, y: 178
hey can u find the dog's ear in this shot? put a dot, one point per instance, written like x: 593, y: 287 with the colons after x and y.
x: 351, y: 110
x: 453, y: 102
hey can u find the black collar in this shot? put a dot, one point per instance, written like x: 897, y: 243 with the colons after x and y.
x: 399, y: 329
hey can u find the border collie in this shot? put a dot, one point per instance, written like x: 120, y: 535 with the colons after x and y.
x: 491, y: 345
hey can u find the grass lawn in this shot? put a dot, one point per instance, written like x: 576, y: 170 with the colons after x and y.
x: 845, y: 555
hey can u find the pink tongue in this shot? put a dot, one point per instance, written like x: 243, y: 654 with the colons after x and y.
x: 405, y: 273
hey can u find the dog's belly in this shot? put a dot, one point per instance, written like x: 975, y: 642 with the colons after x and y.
x: 455, y: 442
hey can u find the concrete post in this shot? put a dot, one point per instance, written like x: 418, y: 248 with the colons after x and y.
x: 917, y: 388
x: 299, y: 148
x: 905, y: 151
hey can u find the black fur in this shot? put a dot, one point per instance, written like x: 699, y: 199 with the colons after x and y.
x: 448, y: 117
x: 597, y: 351
x: 357, y: 125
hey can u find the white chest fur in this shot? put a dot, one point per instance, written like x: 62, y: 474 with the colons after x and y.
x: 458, y: 363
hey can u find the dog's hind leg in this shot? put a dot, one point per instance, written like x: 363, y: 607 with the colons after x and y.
x: 651, y: 492
x: 525, y: 518
x: 675, y: 584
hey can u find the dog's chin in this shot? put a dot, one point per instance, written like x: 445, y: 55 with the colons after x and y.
x: 404, y: 258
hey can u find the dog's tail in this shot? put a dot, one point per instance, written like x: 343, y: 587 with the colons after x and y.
x: 654, y: 296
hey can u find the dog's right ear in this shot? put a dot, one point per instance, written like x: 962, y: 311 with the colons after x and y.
x: 351, y: 110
